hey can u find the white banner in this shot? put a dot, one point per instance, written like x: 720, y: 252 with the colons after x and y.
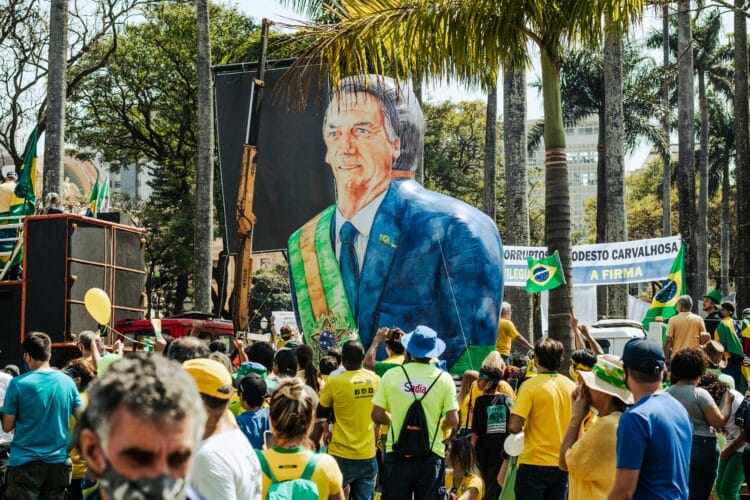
x: 602, y: 264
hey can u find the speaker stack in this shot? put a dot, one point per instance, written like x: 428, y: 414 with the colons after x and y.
x: 66, y: 255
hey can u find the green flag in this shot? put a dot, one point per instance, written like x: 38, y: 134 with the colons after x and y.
x: 25, y: 191
x: 664, y: 303
x: 544, y: 274
x: 102, y: 200
x: 94, y: 198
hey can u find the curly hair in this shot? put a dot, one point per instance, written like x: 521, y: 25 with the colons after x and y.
x: 715, y: 387
x: 688, y: 364
x: 393, y: 340
x: 292, y: 409
x: 585, y: 357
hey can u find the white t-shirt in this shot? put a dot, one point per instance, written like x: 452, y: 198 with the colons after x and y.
x: 732, y: 430
x: 4, y: 381
x: 226, y: 467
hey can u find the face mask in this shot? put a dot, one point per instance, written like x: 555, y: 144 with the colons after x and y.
x: 152, y: 488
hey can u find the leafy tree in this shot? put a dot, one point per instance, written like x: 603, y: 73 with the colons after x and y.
x: 270, y: 292
x: 454, y: 151
x: 141, y: 110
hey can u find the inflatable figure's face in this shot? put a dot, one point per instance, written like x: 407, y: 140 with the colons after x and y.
x: 359, y: 149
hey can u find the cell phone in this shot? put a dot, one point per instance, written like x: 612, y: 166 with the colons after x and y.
x: 268, y: 441
x: 242, y: 336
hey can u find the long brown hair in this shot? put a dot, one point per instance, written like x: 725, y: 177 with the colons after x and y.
x: 467, y: 380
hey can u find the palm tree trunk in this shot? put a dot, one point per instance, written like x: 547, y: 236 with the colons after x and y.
x: 419, y: 175
x: 54, y: 141
x: 516, y: 187
x: 726, y: 225
x: 489, y: 191
x: 617, y: 229
x: 602, y: 295
x: 204, y: 178
x: 742, y: 144
x: 701, y: 230
x: 686, y: 135
x: 666, y: 156
x: 557, y: 197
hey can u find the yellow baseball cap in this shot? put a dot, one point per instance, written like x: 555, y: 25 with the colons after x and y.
x: 211, y: 377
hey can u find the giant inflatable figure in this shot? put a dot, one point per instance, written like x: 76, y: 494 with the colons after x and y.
x: 389, y: 252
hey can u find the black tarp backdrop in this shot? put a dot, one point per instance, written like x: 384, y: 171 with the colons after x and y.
x: 293, y: 183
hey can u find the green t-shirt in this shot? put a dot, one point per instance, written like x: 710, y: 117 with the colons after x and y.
x: 396, y: 396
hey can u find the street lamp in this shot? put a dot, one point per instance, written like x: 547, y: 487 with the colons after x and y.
x: 263, y: 324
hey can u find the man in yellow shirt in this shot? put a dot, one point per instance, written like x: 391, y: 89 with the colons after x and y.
x: 591, y: 461
x: 348, y: 397
x: 684, y: 329
x: 542, y: 411
x: 507, y: 333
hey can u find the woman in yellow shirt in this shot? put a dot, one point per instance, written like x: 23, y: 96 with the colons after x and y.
x: 292, y: 412
x: 467, y: 483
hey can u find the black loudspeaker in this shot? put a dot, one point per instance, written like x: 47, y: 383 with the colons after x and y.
x: 65, y: 256
x: 116, y: 217
x: 10, y: 324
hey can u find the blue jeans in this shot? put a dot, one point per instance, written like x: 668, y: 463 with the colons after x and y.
x: 538, y: 482
x: 704, y: 460
x: 360, y: 475
x: 419, y: 478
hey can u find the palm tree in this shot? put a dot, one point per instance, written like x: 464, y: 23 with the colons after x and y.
x: 462, y: 40
x: 490, y: 156
x: 686, y: 136
x: 666, y: 154
x: 583, y: 90
x: 710, y: 58
x: 204, y: 175
x: 616, y: 222
x: 54, y: 141
x: 516, y: 187
x: 742, y: 141
x: 722, y: 152
x: 712, y: 70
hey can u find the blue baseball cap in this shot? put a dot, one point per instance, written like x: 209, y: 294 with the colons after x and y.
x: 423, y: 342
x: 643, y: 355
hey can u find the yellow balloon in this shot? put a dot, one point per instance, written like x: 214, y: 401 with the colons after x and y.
x: 98, y: 305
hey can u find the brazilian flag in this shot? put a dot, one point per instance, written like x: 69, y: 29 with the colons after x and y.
x: 664, y: 303
x: 17, y: 201
x: 93, y: 198
x: 544, y: 274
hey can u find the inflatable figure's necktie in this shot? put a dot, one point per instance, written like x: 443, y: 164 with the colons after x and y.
x: 348, y: 262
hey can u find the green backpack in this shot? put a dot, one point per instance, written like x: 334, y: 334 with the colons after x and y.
x: 302, y: 488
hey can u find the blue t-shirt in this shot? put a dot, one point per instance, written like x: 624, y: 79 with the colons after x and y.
x: 655, y: 437
x: 42, y: 402
x: 253, y: 424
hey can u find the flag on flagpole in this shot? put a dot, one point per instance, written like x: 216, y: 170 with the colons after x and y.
x: 93, y: 198
x: 664, y: 303
x: 22, y: 202
x: 545, y: 273
x: 102, y: 200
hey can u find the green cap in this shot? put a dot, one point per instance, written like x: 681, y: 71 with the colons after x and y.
x: 714, y: 295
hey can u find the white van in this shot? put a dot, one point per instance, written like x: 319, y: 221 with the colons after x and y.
x: 613, y: 334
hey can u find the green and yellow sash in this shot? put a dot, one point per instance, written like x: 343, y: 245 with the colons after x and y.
x: 318, y: 285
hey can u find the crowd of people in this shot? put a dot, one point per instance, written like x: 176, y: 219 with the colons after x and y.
x: 273, y: 420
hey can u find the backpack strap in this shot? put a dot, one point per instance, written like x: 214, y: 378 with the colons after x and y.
x: 310, y: 467
x: 265, y: 467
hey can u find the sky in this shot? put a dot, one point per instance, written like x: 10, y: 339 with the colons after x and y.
x: 436, y: 91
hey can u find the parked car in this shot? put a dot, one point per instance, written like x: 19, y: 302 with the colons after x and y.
x: 613, y: 334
